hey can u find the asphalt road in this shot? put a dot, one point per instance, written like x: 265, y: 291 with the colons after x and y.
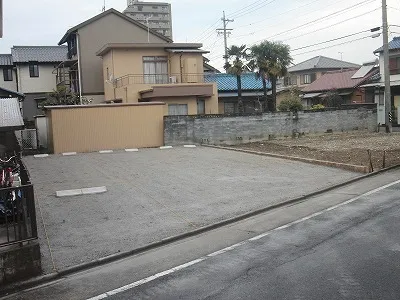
x: 339, y: 245
x: 352, y: 252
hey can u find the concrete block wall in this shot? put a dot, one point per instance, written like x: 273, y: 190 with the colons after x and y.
x: 19, y: 263
x: 232, y: 130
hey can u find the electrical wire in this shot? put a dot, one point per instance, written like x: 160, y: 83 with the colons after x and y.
x: 318, y: 20
x: 246, y: 12
x: 258, y: 2
x: 330, y: 26
x: 332, y: 46
x: 332, y: 40
x: 211, y: 27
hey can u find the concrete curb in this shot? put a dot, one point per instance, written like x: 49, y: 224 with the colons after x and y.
x: 348, y: 167
x: 17, y: 287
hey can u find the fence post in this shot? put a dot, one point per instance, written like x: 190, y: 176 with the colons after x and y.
x: 371, y: 166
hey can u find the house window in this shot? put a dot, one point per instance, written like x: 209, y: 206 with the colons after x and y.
x: 8, y: 74
x: 201, y: 107
x: 33, y: 69
x: 177, y: 109
x: 394, y: 65
x: 308, y: 78
x: 155, y: 69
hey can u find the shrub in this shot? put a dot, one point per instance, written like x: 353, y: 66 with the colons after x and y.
x: 317, y: 107
x: 290, y: 104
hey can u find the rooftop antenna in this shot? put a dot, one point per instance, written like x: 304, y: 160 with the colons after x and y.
x: 104, y: 6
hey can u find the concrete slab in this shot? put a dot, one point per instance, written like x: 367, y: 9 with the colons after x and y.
x: 94, y: 190
x: 156, y: 194
x: 69, y: 193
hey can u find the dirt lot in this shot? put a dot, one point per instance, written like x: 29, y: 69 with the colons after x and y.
x: 349, y: 148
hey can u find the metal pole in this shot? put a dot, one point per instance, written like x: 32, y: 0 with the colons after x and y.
x: 225, y: 32
x: 388, y: 97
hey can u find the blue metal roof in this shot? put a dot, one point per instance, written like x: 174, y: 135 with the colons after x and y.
x: 228, y: 82
x: 393, y: 45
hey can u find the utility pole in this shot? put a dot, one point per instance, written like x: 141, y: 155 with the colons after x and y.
x: 226, y: 32
x: 388, y: 97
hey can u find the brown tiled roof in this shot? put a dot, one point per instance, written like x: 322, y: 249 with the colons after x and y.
x: 338, y: 80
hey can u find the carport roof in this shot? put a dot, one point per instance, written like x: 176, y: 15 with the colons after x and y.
x: 10, y: 114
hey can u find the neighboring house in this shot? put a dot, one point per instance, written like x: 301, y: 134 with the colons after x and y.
x: 310, y: 70
x: 6, y: 93
x: 252, y: 92
x: 345, y: 84
x: 159, y: 72
x: 157, y: 15
x: 208, y: 69
x: 8, y: 78
x: 35, y: 78
x: 82, y: 70
x: 377, y: 88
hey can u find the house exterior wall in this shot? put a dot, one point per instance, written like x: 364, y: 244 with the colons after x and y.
x: 109, y: 29
x: 121, y: 62
x: 46, y: 82
x: 382, y: 66
x: 103, y: 127
x: 30, y: 105
x: 10, y: 85
x: 358, y: 96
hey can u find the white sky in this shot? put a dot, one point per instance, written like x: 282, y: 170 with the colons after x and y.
x: 44, y: 22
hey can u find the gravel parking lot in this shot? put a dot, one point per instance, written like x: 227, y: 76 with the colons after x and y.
x: 154, y: 194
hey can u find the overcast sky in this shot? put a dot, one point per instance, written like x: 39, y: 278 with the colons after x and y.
x: 44, y: 22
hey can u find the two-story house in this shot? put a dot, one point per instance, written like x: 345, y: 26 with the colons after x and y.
x: 82, y: 70
x: 172, y: 73
x: 33, y: 75
x: 378, y: 87
x: 306, y: 72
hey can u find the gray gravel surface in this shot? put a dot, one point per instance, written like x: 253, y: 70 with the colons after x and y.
x: 155, y: 194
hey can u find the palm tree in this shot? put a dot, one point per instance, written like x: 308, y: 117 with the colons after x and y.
x: 237, y: 65
x: 272, y: 60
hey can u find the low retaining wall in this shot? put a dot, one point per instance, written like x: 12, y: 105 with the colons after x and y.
x: 232, y: 130
x: 19, y: 263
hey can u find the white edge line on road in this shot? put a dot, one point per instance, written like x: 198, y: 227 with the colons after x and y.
x: 196, y: 261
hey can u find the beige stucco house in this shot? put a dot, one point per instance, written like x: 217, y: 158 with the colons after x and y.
x: 172, y: 73
x: 82, y: 70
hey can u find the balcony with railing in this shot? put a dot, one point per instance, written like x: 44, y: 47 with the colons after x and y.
x: 161, y: 79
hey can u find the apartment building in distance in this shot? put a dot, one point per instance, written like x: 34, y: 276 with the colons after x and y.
x: 155, y: 15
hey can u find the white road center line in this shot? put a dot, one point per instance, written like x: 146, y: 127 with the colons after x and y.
x: 196, y: 261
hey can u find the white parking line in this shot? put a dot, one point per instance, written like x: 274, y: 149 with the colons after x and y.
x: 196, y: 261
x: 41, y: 155
x: 69, y: 153
x: 189, y: 146
x: 83, y: 191
x: 106, y: 151
x: 131, y: 150
x: 165, y: 147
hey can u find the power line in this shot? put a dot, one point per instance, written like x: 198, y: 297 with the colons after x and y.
x: 243, y: 8
x: 348, y: 42
x: 318, y: 20
x: 246, y: 12
x: 394, y: 8
x: 211, y: 27
x: 336, y: 39
x: 330, y: 26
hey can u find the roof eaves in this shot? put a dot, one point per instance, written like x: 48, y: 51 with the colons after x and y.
x: 107, y: 12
